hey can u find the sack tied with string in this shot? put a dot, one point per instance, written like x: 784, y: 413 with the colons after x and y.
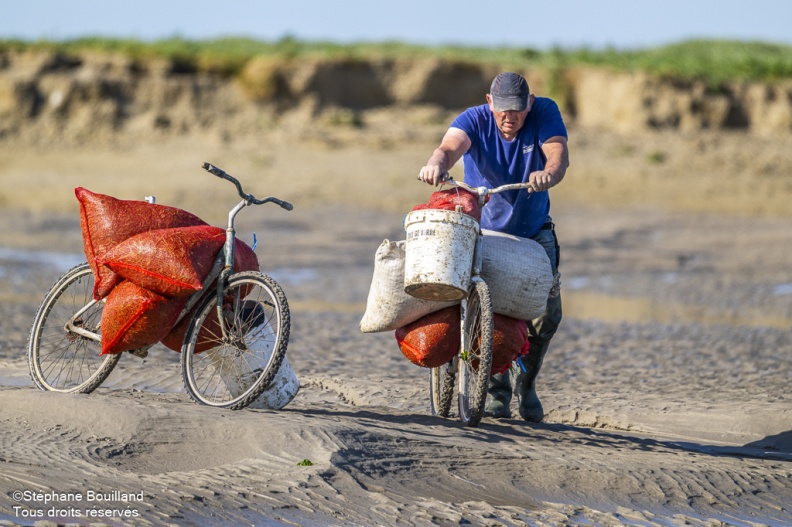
x: 170, y: 262
x: 450, y: 199
x: 244, y: 260
x: 434, y: 340
x: 135, y: 317
x: 106, y: 221
x: 147, y: 260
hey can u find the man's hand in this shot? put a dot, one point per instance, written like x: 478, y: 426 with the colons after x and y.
x: 432, y: 174
x: 540, y: 180
x: 557, y: 155
x: 455, y: 143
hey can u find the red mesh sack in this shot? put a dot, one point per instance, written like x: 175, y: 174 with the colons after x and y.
x: 433, y: 339
x: 208, y: 337
x: 106, y: 221
x: 134, y: 317
x: 449, y: 199
x: 244, y: 260
x: 170, y: 262
x: 509, y: 341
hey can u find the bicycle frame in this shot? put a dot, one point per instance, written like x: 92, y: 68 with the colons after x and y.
x: 228, y: 267
x: 70, y: 326
x: 471, y: 396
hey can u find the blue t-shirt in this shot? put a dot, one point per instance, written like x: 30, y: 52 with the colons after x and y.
x: 492, y: 161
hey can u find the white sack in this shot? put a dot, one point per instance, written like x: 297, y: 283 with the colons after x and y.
x: 518, y: 273
x: 388, y: 307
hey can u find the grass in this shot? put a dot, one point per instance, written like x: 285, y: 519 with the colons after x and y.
x: 713, y: 61
x: 655, y: 157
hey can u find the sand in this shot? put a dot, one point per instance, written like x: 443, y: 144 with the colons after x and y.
x: 666, y: 390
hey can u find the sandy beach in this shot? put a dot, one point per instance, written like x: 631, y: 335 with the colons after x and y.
x: 666, y: 390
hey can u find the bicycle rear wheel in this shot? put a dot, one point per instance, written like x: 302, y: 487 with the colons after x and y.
x: 476, y: 357
x: 232, y: 370
x: 60, y: 359
x: 441, y: 388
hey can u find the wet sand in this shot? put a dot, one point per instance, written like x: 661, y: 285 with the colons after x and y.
x: 666, y: 389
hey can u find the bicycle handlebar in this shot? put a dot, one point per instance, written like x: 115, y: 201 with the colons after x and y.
x: 483, y: 191
x: 247, y: 197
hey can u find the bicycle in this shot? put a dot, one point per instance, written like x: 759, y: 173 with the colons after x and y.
x: 474, y: 360
x: 234, y: 346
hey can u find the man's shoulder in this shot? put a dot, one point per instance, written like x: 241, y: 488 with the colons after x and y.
x: 473, y: 119
x: 545, y: 117
x: 543, y: 102
x: 477, y: 112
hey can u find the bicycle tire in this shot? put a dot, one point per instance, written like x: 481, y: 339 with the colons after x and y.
x: 441, y: 388
x: 475, y: 359
x: 233, y: 372
x: 59, y: 360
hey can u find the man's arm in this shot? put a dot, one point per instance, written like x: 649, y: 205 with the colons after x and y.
x: 557, y: 155
x: 453, y: 146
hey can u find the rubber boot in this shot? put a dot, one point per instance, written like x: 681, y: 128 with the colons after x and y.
x: 499, y: 394
x: 540, y: 332
x: 525, y: 386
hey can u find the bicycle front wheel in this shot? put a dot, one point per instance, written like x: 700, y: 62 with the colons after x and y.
x: 60, y: 359
x: 230, y: 366
x: 475, y: 359
x: 441, y: 388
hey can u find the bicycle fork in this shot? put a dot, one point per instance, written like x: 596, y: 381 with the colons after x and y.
x: 75, y: 324
x: 478, y: 260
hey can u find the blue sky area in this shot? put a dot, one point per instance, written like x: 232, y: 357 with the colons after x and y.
x: 594, y: 24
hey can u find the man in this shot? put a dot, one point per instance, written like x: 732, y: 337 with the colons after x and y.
x: 516, y: 137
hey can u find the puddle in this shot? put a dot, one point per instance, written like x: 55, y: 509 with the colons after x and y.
x: 15, y: 379
x: 578, y: 302
x: 59, y: 261
x: 575, y: 283
x: 597, y: 306
x: 320, y: 306
x: 62, y: 262
x: 287, y: 276
x: 783, y: 289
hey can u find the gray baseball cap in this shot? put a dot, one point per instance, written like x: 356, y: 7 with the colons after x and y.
x: 509, y: 91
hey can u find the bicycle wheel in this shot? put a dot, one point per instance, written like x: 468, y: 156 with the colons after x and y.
x: 60, y: 359
x: 232, y: 370
x: 476, y: 357
x: 441, y: 388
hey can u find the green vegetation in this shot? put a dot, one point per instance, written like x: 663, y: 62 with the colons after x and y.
x: 713, y: 61
x: 656, y: 157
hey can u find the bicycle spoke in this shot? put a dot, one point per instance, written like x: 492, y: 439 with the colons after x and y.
x: 476, y: 355
x: 231, y: 372
x: 64, y: 361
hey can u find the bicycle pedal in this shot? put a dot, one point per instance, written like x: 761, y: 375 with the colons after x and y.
x: 142, y: 353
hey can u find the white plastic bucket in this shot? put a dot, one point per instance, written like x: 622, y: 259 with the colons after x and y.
x: 238, y: 376
x: 439, y: 254
x: 284, y: 387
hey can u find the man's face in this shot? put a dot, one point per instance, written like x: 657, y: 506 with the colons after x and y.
x: 510, y: 121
